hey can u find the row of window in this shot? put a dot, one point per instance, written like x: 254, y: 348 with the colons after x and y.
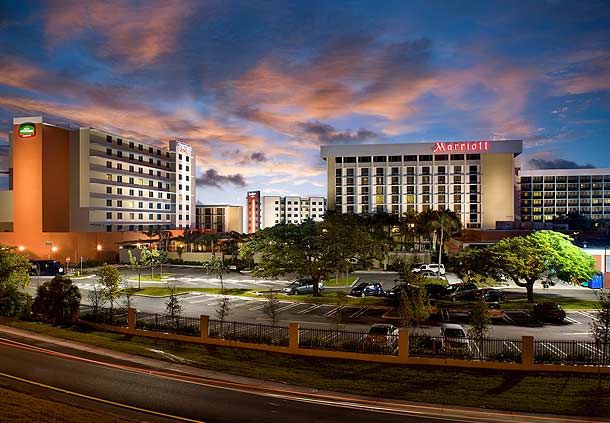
x: 409, y: 189
x: 564, y: 179
x: 407, y: 158
x: 395, y: 209
x: 140, y: 181
x: 409, y: 199
x: 395, y: 180
x: 407, y: 170
x: 151, y: 172
x: 140, y: 147
x: 151, y: 161
x: 303, y: 203
x: 109, y: 228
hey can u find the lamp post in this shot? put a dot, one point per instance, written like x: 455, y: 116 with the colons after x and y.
x: 67, y: 265
x: 98, y: 250
x: 53, y: 251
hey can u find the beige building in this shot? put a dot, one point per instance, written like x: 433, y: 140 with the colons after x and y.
x: 221, y: 218
x: 476, y: 179
x: 276, y: 209
x: 95, y: 181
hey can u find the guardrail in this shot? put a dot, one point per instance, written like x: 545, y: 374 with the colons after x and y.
x: 402, y: 348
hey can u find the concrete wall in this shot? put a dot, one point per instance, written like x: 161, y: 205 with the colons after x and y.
x: 497, y: 189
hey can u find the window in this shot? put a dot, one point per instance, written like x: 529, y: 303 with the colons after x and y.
x: 108, y: 203
x: 108, y: 138
x: 364, y: 159
x: 109, y: 151
x: 119, y: 154
x: 473, y: 157
x: 457, y: 157
x: 108, y: 215
x: 108, y: 190
x: 109, y: 164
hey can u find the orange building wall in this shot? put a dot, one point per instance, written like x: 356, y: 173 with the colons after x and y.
x: 55, y: 179
x: 27, y: 183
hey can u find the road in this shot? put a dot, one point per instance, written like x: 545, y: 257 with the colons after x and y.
x: 182, y: 396
x: 514, y: 325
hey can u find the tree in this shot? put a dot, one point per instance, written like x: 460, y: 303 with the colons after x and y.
x: 110, y: 280
x: 127, y: 291
x: 14, y: 275
x: 137, y: 265
x: 187, y: 238
x: 161, y: 260
x: 340, y: 301
x: 600, y: 327
x: 150, y: 258
x: 271, y: 306
x: 414, y: 306
x: 57, y: 300
x: 448, y: 223
x: 541, y: 254
x: 479, y: 321
x: 217, y: 267
x: 173, y: 306
x: 97, y: 299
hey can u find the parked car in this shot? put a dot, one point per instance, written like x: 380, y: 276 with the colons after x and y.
x: 46, y: 268
x: 301, y: 286
x: 393, y: 295
x: 367, y: 288
x: 453, y: 337
x: 382, y: 334
x: 549, y: 311
x: 491, y: 295
x: 461, y: 291
x: 435, y: 291
x: 432, y: 267
x: 494, y: 311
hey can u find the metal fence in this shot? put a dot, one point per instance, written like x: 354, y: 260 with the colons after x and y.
x: 116, y: 317
x: 490, y: 349
x: 178, y: 325
x: 349, y: 341
x: 256, y: 333
x: 571, y: 352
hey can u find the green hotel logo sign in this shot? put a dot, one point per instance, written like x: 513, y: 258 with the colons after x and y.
x: 27, y: 130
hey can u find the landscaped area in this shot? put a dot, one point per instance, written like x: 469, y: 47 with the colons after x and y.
x: 533, y: 392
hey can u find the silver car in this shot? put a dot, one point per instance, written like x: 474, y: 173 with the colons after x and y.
x: 301, y: 286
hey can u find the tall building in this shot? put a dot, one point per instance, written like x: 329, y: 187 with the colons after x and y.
x: 88, y: 180
x: 253, y: 199
x: 546, y: 195
x: 221, y: 218
x: 276, y: 209
x: 476, y: 179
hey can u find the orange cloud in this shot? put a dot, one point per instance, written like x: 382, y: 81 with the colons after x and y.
x: 138, y: 32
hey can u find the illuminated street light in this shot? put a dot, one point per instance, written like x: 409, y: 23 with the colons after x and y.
x: 21, y: 248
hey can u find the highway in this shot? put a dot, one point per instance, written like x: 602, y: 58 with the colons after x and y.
x: 183, y: 397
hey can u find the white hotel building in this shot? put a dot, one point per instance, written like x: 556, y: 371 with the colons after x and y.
x: 476, y: 179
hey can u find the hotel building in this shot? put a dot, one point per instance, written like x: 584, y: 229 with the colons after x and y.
x: 87, y: 180
x: 253, y: 200
x: 220, y: 218
x: 276, y: 210
x: 548, y: 194
x: 476, y: 179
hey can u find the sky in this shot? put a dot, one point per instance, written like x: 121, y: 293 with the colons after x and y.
x: 257, y: 86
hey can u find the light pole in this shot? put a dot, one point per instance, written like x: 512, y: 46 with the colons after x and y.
x: 67, y: 265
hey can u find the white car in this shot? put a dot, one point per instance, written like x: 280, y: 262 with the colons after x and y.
x: 432, y: 267
x: 454, y: 338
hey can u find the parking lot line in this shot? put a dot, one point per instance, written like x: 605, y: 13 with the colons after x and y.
x: 576, y: 322
x: 333, y: 311
x: 312, y: 308
x: 554, y: 349
x: 289, y: 306
x: 589, y: 315
x: 359, y: 312
x: 507, y: 318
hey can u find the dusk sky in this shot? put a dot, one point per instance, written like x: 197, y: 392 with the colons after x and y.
x: 256, y: 87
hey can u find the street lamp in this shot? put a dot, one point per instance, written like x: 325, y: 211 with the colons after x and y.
x: 98, y: 249
x: 21, y: 248
x: 67, y: 265
x: 53, y: 251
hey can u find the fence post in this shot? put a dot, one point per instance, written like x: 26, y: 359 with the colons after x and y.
x: 131, y: 318
x: 527, y: 351
x: 403, y: 345
x: 293, y: 336
x: 204, y: 326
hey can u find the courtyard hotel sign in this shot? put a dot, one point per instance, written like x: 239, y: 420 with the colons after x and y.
x: 476, y: 146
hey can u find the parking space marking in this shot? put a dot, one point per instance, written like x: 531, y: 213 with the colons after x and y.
x: 590, y: 348
x: 289, y: 306
x: 574, y: 321
x: 512, y: 346
x: 333, y: 311
x: 312, y: 308
x: 508, y: 319
x: 202, y: 300
x: 554, y: 349
x: 359, y: 312
x: 589, y: 315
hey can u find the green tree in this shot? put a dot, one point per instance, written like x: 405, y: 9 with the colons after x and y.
x: 479, y: 321
x: 414, y: 305
x: 173, y: 306
x: 216, y: 266
x: 448, y: 224
x: 540, y: 254
x: 271, y: 307
x: 14, y: 275
x: 150, y: 258
x: 600, y: 327
x: 96, y: 299
x: 138, y: 265
x: 187, y: 238
x: 161, y: 260
x: 110, y: 279
x: 57, y: 300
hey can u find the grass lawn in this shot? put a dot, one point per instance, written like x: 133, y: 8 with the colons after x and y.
x: 22, y: 407
x: 156, y: 278
x: 341, y: 281
x: 585, y: 395
x: 522, y: 304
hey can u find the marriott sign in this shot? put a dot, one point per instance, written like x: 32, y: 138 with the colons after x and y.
x: 443, y: 147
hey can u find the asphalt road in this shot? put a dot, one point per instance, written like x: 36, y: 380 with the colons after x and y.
x: 201, y: 399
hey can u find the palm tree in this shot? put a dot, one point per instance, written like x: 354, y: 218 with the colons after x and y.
x: 153, y: 231
x: 448, y: 223
x: 187, y: 238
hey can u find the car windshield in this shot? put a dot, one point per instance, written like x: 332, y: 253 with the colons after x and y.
x: 378, y: 330
x: 454, y: 333
x: 452, y: 288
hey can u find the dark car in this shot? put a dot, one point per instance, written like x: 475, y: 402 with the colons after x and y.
x: 46, y: 268
x: 393, y: 295
x: 435, y: 291
x: 461, y: 291
x: 366, y: 289
x: 490, y: 295
x: 549, y: 311
x: 301, y: 286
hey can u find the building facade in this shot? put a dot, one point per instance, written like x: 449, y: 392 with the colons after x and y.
x: 276, y: 210
x: 87, y: 180
x: 476, y: 179
x: 253, y: 200
x: 546, y: 195
x: 220, y: 218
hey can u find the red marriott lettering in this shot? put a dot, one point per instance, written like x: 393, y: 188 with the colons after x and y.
x: 440, y: 147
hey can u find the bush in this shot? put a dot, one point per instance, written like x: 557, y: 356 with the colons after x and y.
x: 57, y: 300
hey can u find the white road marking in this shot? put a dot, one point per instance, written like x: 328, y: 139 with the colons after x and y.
x: 312, y: 308
x: 574, y: 321
x: 589, y: 315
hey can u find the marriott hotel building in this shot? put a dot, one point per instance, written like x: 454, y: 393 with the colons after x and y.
x: 476, y: 179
